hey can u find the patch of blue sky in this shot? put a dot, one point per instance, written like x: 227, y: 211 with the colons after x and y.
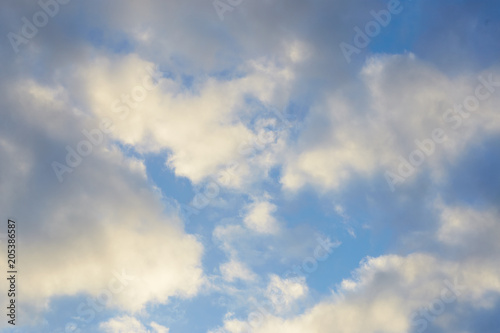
x: 458, y: 35
x: 115, y: 42
x: 67, y: 311
x: 179, y: 188
x: 306, y: 208
x: 193, y: 315
x: 399, y: 36
x: 477, y: 188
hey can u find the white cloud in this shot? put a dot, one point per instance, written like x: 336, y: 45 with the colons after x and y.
x: 234, y: 269
x: 284, y: 292
x: 259, y: 217
x: 202, y: 128
x: 157, y: 328
x: 125, y: 324
x: 298, y: 51
x: 461, y: 226
x: 104, y: 219
x: 399, y: 100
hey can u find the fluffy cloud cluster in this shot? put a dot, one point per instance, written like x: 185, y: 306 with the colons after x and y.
x: 204, y: 128
x: 407, y: 293
x: 173, y: 81
x: 401, y: 101
x: 103, y: 232
x: 259, y: 217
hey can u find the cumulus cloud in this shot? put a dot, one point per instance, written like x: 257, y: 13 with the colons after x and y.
x: 259, y: 217
x: 400, y: 100
x: 204, y: 128
x: 407, y: 293
x: 284, y: 292
x: 177, y: 83
x: 102, y: 224
x: 236, y: 270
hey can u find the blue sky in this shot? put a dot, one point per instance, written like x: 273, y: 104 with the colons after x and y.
x: 267, y: 166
